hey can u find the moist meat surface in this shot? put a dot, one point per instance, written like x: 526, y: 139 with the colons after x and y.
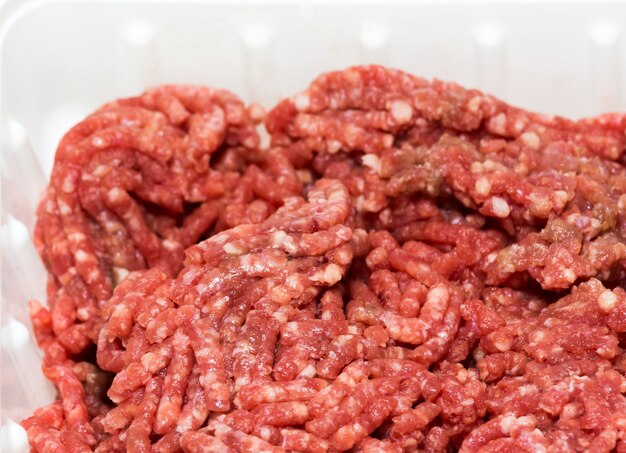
x: 411, y: 266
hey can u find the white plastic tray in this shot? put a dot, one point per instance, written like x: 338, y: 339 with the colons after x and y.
x: 61, y: 59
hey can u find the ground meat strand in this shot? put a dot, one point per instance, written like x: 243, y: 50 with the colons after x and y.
x: 411, y: 266
x: 394, y: 135
x: 192, y: 344
x: 122, y: 180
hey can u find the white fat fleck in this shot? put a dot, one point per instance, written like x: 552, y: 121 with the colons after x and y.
x: 100, y: 171
x: 359, y: 203
x: 521, y: 168
x: 281, y: 316
x: 332, y: 274
x: 570, y: 410
x: 202, y: 288
x: 265, y: 433
x: 549, y: 322
x: 502, y: 345
x: 161, y: 331
x: 401, y: 111
x: 247, y: 262
x: 162, y: 302
x: 146, y: 359
x: 256, y: 112
x: 293, y: 281
x: 572, y: 218
x: 68, y: 184
x: 482, y: 186
x: 81, y: 256
x: 98, y: 142
x: 343, y: 339
x: 498, y: 123
x: 184, y: 425
x: 569, y: 275
x: 500, y: 207
x: 540, y: 203
x: 528, y: 389
x: 372, y: 204
x: 621, y: 203
x: 352, y: 329
x: 474, y: 104
x: 119, y: 274
x: 270, y: 394
x: 170, y: 245
x: 64, y: 208
x: 241, y: 382
x: 307, y: 372
x: 50, y: 207
x: 491, y: 257
x: 76, y: 237
x: 232, y: 249
x: 359, y: 429
x: 291, y: 327
x: 343, y: 256
x: 372, y: 161
x: 536, y: 336
x: 476, y: 167
x: 526, y: 420
x: 531, y: 140
x: 438, y: 295
x: 562, y: 198
x: 607, y: 300
x: 595, y: 224
x: 505, y: 423
x: 333, y: 146
x: 242, y: 347
x: 605, y: 352
x: 302, y: 102
x: 115, y: 194
x: 280, y: 238
x: 82, y: 313
x: 478, y: 354
x: 220, y: 304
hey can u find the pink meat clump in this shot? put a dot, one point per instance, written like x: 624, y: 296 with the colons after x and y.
x: 409, y: 266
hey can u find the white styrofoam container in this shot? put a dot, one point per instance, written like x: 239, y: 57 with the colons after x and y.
x: 61, y: 59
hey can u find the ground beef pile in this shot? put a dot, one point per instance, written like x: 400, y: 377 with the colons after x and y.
x: 410, y: 266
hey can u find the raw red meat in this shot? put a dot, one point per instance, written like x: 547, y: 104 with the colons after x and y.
x: 410, y: 266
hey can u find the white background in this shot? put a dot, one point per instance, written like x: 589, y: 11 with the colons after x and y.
x: 59, y: 60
